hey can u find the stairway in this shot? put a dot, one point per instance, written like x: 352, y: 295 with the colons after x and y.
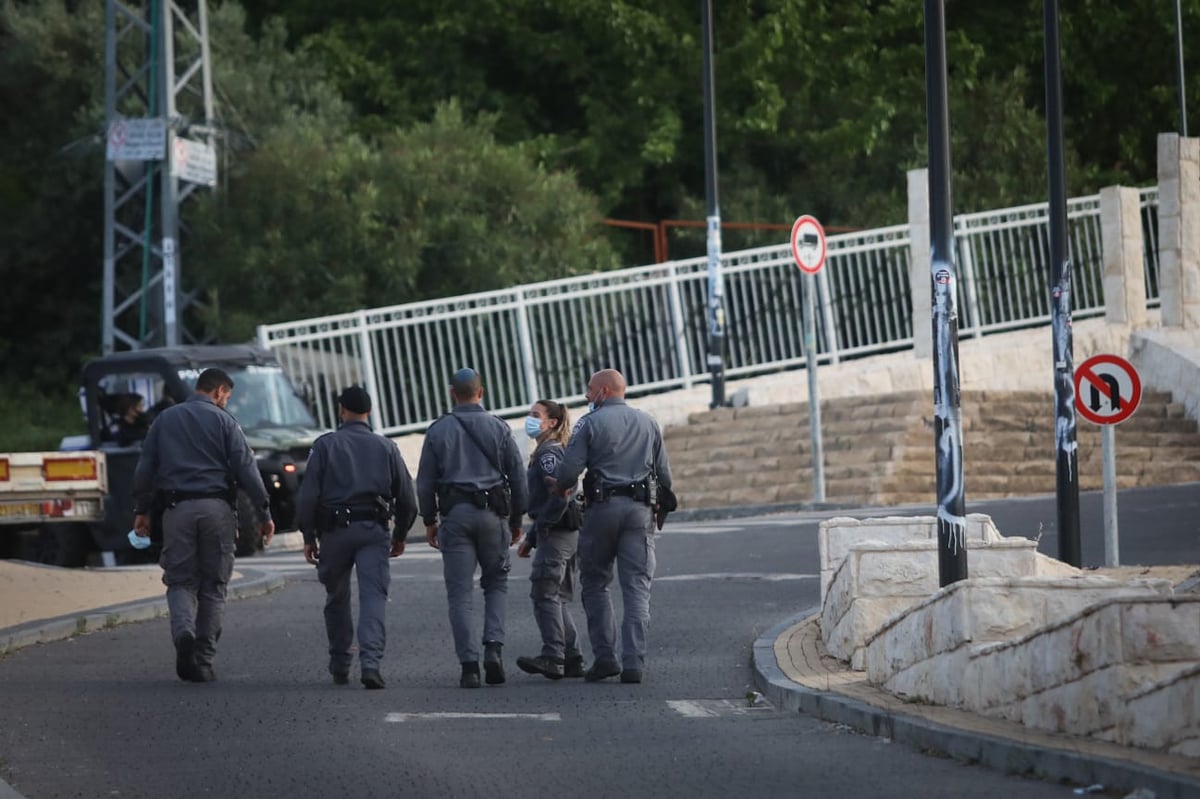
x: 879, y: 450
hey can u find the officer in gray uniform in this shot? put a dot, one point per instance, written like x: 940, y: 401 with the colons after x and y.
x: 555, y: 535
x: 195, y: 457
x: 622, y: 450
x: 355, y: 485
x: 468, y: 457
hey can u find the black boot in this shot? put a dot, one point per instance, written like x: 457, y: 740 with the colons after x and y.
x: 573, y: 666
x: 470, y: 676
x: 551, y: 668
x: 185, y: 658
x: 493, y: 664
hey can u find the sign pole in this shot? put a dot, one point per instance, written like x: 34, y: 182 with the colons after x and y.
x: 1107, y: 392
x: 1112, y: 548
x: 809, y: 248
x: 814, y: 394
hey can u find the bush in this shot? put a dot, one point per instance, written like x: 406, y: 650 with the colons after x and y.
x: 35, y: 422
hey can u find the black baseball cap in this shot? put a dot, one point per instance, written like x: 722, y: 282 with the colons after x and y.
x: 356, y: 400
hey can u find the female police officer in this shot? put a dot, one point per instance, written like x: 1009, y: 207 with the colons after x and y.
x: 555, y: 534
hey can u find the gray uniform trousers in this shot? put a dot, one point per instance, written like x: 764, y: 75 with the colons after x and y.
x: 363, y: 546
x: 619, y: 530
x: 197, y: 562
x: 553, y: 587
x: 470, y: 536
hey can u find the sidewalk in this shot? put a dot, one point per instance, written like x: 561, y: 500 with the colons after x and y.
x: 40, y: 604
x: 793, y: 671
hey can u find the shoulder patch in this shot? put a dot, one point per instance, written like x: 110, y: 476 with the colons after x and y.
x: 549, y: 463
x: 579, y: 426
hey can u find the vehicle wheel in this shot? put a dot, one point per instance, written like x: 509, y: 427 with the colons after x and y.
x: 63, y: 545
x: 249, y: 539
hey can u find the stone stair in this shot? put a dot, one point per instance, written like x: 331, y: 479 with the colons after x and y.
x: 880, y: 450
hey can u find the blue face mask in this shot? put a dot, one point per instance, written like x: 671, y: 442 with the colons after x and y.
x: 591, y: 407
x: 138, y: 541
x: 533, y: 426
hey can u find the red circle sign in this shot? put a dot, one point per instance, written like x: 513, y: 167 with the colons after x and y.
x: 808, y: 244
x: 1107, y: 389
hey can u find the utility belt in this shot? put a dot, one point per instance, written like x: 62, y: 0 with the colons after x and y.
x: 331, y: 517
x: 495, y: 499
x: 172, y: 498
x: 638, y: 492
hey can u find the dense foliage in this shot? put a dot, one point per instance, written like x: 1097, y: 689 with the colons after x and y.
x: 380, y: 152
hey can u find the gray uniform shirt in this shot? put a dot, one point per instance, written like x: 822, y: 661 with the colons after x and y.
x: 196, y: 446
x: 450, y: 458
x: 544, y: 503
x: 352, y: 466
x: 618, y: 444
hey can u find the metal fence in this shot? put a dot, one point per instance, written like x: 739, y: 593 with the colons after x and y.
x: 545, y: 339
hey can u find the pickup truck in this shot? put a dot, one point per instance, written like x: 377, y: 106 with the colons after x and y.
x: 64, y: 507
x: 60, y: 494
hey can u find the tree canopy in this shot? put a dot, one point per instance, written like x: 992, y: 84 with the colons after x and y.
x: 378, y: 153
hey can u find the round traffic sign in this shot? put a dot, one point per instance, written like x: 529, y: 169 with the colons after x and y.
x: 808, y: 244
x: 1107, y: 389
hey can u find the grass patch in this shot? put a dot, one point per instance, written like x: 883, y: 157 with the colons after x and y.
x: 36, y: 421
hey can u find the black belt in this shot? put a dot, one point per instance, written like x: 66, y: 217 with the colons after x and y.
x: 334, y: 516
x: 173, y: 497
x: 634, y: 490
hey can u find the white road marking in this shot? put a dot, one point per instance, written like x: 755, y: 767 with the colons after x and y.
x: 715, y: 708
x: 766, y: 578
x: 403, y: 717
x: 697, y: 530
x: 690, y: 709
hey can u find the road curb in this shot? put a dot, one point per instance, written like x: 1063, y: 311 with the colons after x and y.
x: 998, y: 753
x: 251, y: 583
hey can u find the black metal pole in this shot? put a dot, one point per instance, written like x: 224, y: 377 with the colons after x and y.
x: 1179, y: 69
x: 716, y: 288
x: 1066, y: 454
x: 947, y: 400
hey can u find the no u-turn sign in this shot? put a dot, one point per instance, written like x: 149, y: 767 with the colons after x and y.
x: 1107, y: 389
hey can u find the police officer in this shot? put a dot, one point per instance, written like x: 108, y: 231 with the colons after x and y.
x: 555, y: 535
x: 622, y: 450
x: 195, y: 456
x: 355, y: 484
x: 466, y: 461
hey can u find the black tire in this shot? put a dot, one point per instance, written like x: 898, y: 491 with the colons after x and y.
x: 249, y: 538
x: 63, y: 545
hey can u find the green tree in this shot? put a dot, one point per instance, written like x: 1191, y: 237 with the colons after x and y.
x: 434, y: 210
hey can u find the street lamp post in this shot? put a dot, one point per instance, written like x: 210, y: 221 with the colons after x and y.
x: 716, y: 288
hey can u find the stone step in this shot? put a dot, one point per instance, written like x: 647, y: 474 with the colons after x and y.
x: 881, y: 449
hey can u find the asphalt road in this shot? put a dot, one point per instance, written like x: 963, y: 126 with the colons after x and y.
x: 103, y: 714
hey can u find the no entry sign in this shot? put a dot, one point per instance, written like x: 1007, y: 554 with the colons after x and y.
x: 1107, y: 389
x: 808, y: 244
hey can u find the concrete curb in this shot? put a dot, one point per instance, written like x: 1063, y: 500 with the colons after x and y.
x: 251, y: 583
x: 998, y: 753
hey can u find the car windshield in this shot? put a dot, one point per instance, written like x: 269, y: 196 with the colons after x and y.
x: 264, y: 397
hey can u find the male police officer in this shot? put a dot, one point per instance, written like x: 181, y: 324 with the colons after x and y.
x: 471, y: 475
x: 622, y: 450
x: 196, y: 457
x: 356, y: 482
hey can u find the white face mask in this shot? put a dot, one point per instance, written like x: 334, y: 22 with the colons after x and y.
x: 533, y: 426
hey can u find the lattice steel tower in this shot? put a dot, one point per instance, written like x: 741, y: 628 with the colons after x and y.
x: 160, y: 150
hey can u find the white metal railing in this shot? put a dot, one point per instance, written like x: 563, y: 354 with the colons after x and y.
x: 545, y: 339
